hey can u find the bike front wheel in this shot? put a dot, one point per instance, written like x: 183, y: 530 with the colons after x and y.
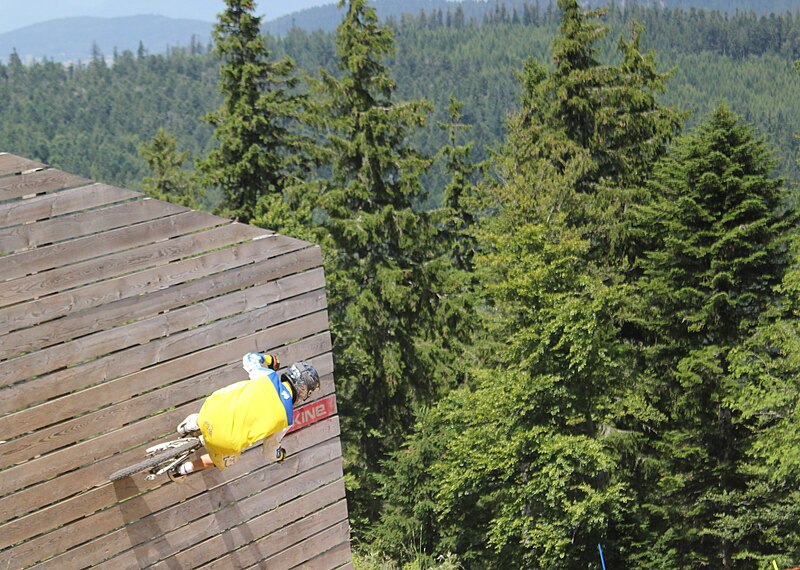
x: 156, y: 460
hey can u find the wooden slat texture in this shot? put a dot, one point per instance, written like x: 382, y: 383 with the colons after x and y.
x: 238, y: 508
x: 11, y: 164
x: 38, y: 182
x: 326, y: 549
x: 114, y: 265
x: 116, y: 313
x: 42, y: 468
x: 174, y: 508
x: 59, y: 203
x: 119, y: 314
x: 259, y: 526
x: 17, y: 238
x: 132, y: 360
x: 262, y: 299
x: 138, y: 358
x: 96, y: 246
x: 56, y: 510
x: 315, y: 532
x: 137, y: 285
x: 35, y: 444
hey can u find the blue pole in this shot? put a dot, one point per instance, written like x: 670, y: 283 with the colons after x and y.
x: 602, y: 560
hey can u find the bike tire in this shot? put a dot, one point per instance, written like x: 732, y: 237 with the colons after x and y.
x: 151, y: 462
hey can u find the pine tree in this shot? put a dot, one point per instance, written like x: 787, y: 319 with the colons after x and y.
x: 409, y: 528
x: 460, y: 193
x: 531, y: 461
x: 722, y: 248
x: 762, y: 516
x: 259, y: 148
x: 457, y: 323
x: 169, y: 180
x: 382, y: 291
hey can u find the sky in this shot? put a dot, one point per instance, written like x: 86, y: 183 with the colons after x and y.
x: 16, y: 14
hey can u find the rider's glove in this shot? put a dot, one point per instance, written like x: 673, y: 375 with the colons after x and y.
x: 280, y: 455
x: 271, y: 361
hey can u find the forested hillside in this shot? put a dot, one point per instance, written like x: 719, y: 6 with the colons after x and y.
x: 584, y: 349
x: 325, y: 17
x: 91, y: 119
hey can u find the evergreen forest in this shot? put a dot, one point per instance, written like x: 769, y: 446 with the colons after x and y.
x: 562, y: 255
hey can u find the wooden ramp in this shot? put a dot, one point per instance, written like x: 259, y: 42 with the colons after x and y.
x: 118, y: 315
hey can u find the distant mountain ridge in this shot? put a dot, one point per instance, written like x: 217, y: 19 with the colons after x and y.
x: 72, y: 39
x: 327, y: 17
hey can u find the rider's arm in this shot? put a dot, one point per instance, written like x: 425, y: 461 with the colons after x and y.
x: 257, y: 364
x: 272, y: 443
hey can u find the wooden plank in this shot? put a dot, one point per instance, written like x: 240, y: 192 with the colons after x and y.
x: 336, y: 557
x: 69, y: 252
x: 136, y: 285
x: 192, y: 499
x: 292, y: 557
x: 261, y: 301
x: 262, y: 525
x: 114, y: 265
x: 151, y: 319
x: 97, y: 372
x: 42, y: 441
x: 53, y: 464
x: 166, y: 324
x: 11, y: 164
x: 62, y: 435
x: 38, y: 182
x: 144, y: 306
x: 72, y: 495
x: 192, y: 392
x: 162, y: 350
x: 124, y: 390
x: 122, y: 525
x: 267, y: 547
x: 158, y: 536
x: 80, y: 224
x: 319, y: 443
x: 18, y: 478
x: 59, y: 203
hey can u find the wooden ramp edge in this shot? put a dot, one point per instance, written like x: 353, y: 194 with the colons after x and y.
x: 119, y: 314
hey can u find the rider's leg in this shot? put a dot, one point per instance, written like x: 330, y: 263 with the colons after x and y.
x: 179, y: 473
x: 196, y: 465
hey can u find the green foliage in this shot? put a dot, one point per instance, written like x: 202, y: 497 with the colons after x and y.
x: 92, y: 119
x: 169, y: 180
x: 258, y: 148
x: 721, y: 249
x: 374, y: 561
x: 596, y: 343
x: 524, y: 471
x: 66, y: 117
x: 762, y: 518
x: 383, y: 271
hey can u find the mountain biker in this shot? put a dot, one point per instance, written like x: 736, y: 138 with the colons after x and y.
x: 237, y: 416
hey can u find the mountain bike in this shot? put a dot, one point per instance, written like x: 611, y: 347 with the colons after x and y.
x: 161, y: 458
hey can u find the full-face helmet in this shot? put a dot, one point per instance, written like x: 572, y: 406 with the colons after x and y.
x: 303, y: 378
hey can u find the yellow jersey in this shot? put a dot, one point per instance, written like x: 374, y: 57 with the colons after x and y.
x: 237, y: 416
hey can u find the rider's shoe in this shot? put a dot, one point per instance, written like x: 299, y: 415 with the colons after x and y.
x: 175, y: 476
x: 188, y: 426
